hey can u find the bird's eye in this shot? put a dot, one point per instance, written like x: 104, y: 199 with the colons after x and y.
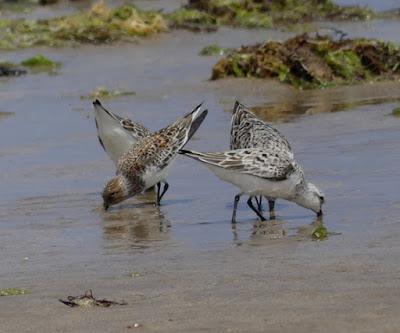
x: 322, y: 198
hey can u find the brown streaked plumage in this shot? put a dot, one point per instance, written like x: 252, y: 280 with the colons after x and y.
x: 147, y: 163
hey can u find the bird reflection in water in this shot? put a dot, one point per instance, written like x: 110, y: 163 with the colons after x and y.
x: 135, y: 226
x: 265, y: 232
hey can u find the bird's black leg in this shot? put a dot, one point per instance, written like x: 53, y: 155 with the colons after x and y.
x: 159, y: 196
x: 271, y: 204
x: 250, y: 203
x: 259, y: 203
x: 235, y: 204
x: 157, y: 203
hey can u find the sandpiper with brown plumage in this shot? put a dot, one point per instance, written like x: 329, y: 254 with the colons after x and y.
x: 148, y: 162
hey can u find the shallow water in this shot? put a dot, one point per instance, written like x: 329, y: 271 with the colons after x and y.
x: 195, y: 270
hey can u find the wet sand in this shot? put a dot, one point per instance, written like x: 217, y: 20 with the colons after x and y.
x: 183, y: 267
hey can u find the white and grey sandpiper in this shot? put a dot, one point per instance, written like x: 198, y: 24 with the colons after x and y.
x: 147, y: 162
x: 116, y: 134
x: 261, y: 171
x: 247, y: 131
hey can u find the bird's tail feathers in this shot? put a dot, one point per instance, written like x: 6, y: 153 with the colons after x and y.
x: 190, y: 153
x: 184, y: 128
x: 207, y: 158
x: 197, y: 120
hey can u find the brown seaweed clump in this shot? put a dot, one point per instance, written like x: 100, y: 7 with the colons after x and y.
x: 262, y: 13
x: 98, y: 25
x: 309, y: 62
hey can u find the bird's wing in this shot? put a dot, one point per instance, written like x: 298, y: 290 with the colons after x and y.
x: 156, y: 151
x: 248, y: 131
x: 256, y: 162
x: 137, y: 130
x: 240, y: 127
x: 180, y: 132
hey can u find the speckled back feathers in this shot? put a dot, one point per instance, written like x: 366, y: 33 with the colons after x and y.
x: 154, y: 152
x: 247, y: 131
x: 253, y: 161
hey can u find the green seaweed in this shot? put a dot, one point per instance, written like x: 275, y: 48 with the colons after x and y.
x: 251, y: 19
x: 123, y: 13
x: 346, y: 64
x: 13, y: 292
x: 396, y: 112
x: 191, y: 19
x: 309, y: 62
x: 320, y: 233
x: 104, y: 93
x: 40, y: 62
x: 98, y: 25
x: 35, y: 64
x: 263, y: 13
x: 214, y: 49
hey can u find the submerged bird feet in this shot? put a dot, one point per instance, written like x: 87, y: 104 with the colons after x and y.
x: 255, y: 210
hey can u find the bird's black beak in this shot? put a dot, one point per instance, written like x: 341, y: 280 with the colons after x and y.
x: 105, y: 205
x: 319, y: 214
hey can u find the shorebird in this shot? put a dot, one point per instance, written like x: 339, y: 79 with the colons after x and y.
x: 147, y: 163
x: 116, y: 134
x: 247, y: 131
x: 261, y: 171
